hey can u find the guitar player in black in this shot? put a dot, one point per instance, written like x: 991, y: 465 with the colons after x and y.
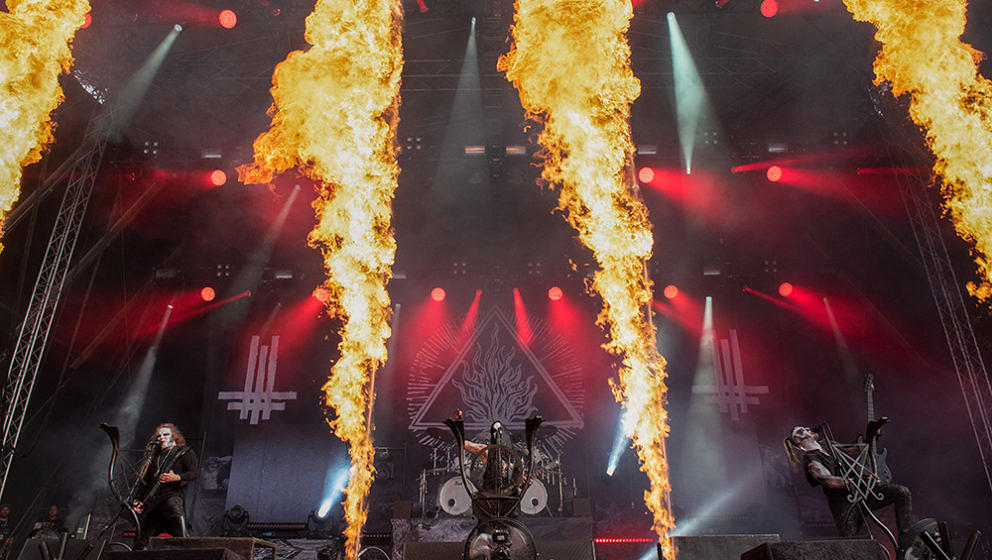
x: 821, y: 469
x: 172, y: 468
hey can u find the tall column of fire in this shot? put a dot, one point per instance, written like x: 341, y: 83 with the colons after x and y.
x: 334, y: 117
x: 570, y: 61
x: 35, y: 47
x: 923, y: 56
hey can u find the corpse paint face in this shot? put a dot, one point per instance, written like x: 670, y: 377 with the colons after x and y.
x: 802, y: 435
x: 165, y: 439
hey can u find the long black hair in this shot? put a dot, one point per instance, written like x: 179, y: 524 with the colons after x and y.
x: 499, y: 435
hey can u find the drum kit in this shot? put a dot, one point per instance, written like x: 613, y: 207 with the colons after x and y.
x: 442, y: 491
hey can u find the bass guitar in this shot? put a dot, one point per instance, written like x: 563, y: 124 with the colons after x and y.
x: 165, y: 467
x: 873, y: 425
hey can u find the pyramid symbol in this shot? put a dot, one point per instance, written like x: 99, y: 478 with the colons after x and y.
x: 549, y: 399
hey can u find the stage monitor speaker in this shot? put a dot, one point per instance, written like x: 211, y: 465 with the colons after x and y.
x: 547, y: 550
x: 718, y: 547
x: 176, y: 554
x: 246, y: 548
x: 75, y: 549
x: 834, y: 549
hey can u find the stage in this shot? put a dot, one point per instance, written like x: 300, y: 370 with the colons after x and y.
x: 490, y: 274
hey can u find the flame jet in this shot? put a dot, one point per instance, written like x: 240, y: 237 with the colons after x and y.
x: 922, y: 56
x: 334, y: 116
x: 570, y: 61
x: 35, y: 47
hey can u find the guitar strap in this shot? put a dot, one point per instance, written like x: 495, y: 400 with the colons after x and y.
x: 165, y: 463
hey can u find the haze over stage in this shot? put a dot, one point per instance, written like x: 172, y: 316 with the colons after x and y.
x: 675, y: 229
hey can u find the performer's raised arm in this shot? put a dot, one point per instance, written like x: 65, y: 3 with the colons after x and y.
x: 470, y: 446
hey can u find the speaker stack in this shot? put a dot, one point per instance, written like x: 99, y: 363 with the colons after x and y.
x: 833, y: 549
x: 75, y: 549
x: 548, y: 550
x: 718, y: 547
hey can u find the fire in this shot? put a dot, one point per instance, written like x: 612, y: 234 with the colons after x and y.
x: 922, y: 56
x: 334, y: 116
x: 570, y: 61
x: 35, y: 47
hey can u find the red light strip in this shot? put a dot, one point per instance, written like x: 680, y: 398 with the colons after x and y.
x: 623, y: 540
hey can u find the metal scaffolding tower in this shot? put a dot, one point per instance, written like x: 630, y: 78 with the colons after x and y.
x: 32, y: 335
x: 945, y: 288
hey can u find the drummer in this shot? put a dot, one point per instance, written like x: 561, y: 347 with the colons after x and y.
x: 498, y: 435
x: 494, y: 478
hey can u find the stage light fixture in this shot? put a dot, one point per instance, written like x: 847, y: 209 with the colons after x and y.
x: 646, y: 175
x: 785, y: 289
x: 321, y: 295
x: 227, y: 19
x: 774, y: 174
x: 318, y: 527
x: 235, y: 522
x: 437, y: 294
x: 671, y: 291
x: 769, y: 8
x: 555, y: 293
x: 207, y: 293
x: 218, y: 177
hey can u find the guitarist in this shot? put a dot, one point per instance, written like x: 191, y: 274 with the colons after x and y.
x: 170, y: 469
x: 821, y: 469
x: 6, y: 532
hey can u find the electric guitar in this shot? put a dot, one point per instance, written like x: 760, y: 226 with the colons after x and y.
x: 873, y: 428
x: 166, y: 467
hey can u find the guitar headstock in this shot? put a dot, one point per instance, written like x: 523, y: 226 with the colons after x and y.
x: 869, y: 383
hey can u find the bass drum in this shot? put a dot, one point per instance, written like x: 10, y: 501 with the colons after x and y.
x: 535, y: 498
x: 500, y: 539
x: 453, y: 498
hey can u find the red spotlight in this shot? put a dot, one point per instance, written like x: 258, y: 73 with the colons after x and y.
x: 555, y: 293
x: 207, y: 294
x: 227, y: 19
x: 769, y: 8
x: 774, y: 173
x: 785, y: 289
x: 322, y: 295
x: 646, y: 174
x: 88, y: 20
x: 218, y: 177
x: 671, y: 291
x: 437, y: 294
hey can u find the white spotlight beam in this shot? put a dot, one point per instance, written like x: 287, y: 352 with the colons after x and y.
x: 690, y: 96
x: 134, y: 401
x: 137, y: 86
